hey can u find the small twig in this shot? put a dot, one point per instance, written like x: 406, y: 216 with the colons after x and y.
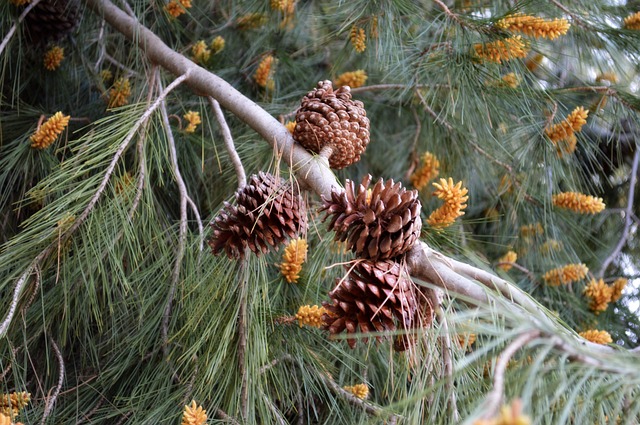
x: 494, y: 398
x: 222, y: 415
x: 103, y: 46
x: 448, y: 12
x: 117, y: 64
x: 575, y: 17
x: 523, y: 269
x: 431, y: 112
x: 14, y: 27
x: 289, y: 358
x: 445, y: 343
x: 51, y: 400
x: 87, y: 416
x: 242, y: 340
x: 228, y: 143
x: 182, y: 232
x: 627, y: 216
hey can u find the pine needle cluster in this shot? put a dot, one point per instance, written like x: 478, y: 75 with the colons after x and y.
x: 578, y: 202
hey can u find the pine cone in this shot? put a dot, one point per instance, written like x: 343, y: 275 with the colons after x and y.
x: 52, y: 19
x: 373, y: 298
x: 268, y: 212
x: 380, y: 224
x: 328, y: 118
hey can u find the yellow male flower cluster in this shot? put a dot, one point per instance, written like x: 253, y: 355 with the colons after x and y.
x: 550, y: 246
x: 466, y: 340
x: 217, y: 44
x: 596, y: 336
x: 509, y: 257
x: 106, y: 75
x: 428, y: 171
x: 294, y: 255
x: 534, y: 26
x: 454, y: 197
x: 565, y: 274
x: 565, y: 131
x: 200, y: 52
x: 176, y: 8
x: 193, y: 118
x: 264, y: 73
x: 353, y: 79
x: 600, y: 294
x: 358, y: 39
x: 310, y: 315
x: 511, y: 80
x: 534, y: 62
x: 578, y: 202
x: 530, y: 230
x: 288, y: 8
x: 19, y: 2
x: 119, y: 93
x: 48, y: 132
x: 251, y: 21
x: 607, y: 76
x: 53, y: 58
x: 502, y: 50
x: 194, y: 414
x: 632, y: 22
x: 509, y: 415
x: 359, y: 390
x: 617, y: 287
x: 12, y: 404
x: 291, y: 125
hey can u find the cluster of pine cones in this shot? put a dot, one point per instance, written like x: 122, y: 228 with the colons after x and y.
x: 379, y: 224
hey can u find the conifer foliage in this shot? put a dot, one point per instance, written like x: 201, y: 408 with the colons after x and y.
x: 453, y: 184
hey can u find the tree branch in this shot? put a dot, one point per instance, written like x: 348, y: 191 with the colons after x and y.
x: 628, y: 216
x: 228, y: 143
x: 14, y: 27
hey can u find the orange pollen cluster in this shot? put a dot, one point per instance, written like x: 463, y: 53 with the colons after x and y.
x: 358, y: 39
x: 251, y: 21
x: 534, y: 26
x: 466, y: 340
x: 530, y: 230
x: 596, y: 336
x: 194, y: 414
x: 12, y: 404
x: 632, y: 22
x: 578, y: 202
x: 617, y: 287
x: 119, y: 93
x: 607, y: 76
x: 359, y: 390
x: 509, y: 257
x: 600, y: 295
x: 294, y: 255
x: 550, y: 246
x: 176, y: 8
x: 106, y: 75
x: 502, y: 50
x: 217, y: 44
x: 49, y: 131
x: 193, y: 118
x: 200, y: 52
x: 429, y: 171
x: 454, y: 202
x: 310, y: 315
x: 565, y: 274
x: 511, y: 80
x: 562, y: 135
x: 291, y: 125
x: 53, y: 58
x: 263, y: 76
x: 353, y: 79
x: 509, y: 415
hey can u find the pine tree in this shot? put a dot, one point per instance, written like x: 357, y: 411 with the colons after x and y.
x: 462, y: 175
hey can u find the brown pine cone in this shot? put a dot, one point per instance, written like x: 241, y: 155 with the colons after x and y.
x: 328, y: 118
x: 52, y: 19
x: 268, y: 212
x: 373, y: 298
x: 380, y: 224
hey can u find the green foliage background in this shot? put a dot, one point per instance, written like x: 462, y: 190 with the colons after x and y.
x: 99, y: 294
